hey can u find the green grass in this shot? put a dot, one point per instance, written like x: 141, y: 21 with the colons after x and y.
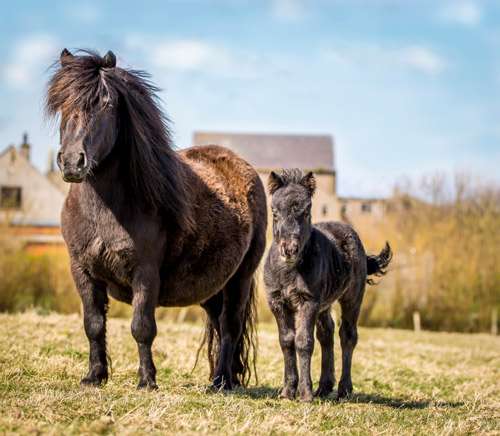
x: 430, y: 383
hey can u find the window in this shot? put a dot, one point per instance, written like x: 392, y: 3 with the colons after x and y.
x: 366, y: 207
x: 325, y: 210
x: 11, y: 197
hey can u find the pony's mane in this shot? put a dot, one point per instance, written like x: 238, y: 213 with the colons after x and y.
x: 155, y: 171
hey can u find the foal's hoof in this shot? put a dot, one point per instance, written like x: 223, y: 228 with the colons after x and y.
x: 287, y: 394
x: 307, y: 398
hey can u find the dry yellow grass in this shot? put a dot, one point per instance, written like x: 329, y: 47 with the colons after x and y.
x: 431, y: 383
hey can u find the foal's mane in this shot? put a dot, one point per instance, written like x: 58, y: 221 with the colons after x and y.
x: 154, y: 172
x: 292, y: 176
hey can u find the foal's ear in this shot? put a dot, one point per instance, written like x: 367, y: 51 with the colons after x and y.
x: 309, y: 182
x: 274, y: 182
x: 109, y: 60
x: 65, y: 56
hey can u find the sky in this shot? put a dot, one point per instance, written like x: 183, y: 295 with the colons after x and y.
x: 406, y: 88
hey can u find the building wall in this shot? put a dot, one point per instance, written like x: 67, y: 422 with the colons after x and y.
x: 41, y: 200
x: 35, y: 224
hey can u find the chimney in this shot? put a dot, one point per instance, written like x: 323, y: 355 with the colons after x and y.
x: 25, y: 147
x: 50, y: 161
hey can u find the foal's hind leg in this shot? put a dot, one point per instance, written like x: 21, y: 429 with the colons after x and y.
x: 325, y: 328
x: 95, y: 305
x: 348, y: 339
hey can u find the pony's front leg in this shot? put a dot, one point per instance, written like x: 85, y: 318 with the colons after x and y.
x: 146, y: 288
x: 304, y: 342
x: 95, y: 305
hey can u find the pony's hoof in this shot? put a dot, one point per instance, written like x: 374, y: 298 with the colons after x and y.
x: 221, y: 383
x: 143, y: 384
x: 344, y: 393
x: 323, y: 392
x: 90, y: 383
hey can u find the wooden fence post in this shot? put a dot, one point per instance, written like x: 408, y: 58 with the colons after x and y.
x: 494, y: 322
x: 416, y: 321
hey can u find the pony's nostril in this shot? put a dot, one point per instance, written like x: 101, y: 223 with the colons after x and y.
x: 295, y: 249
x: 81, y: 161
x: 59, y: 157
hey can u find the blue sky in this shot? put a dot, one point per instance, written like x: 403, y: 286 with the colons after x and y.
x: 406, y: 88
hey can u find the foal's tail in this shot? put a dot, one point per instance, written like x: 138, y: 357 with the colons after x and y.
x: 377, y: 264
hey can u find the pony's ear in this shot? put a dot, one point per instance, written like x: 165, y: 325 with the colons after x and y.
x: 274, y: 182
x: 309, y: 182
x: 65, y: 56
x: 109, y: 60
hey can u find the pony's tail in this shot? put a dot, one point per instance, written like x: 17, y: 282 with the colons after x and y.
x: 248, y: 343
x: 377, y: 264
x: 246, y: 346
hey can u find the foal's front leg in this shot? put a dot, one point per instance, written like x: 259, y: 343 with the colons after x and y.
x: 146, y: 288
x: 286, y: 327
x: 304, y: 341
x: 325, y: 328
x: 95, y: 305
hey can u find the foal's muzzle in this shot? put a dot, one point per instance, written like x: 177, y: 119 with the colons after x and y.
x: 289, y: 251
x: 73, y: 166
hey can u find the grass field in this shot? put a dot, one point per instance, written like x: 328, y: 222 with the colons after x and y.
x: 430, y: 383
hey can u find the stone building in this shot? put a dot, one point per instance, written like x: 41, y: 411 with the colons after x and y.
x: 30, y: 203
x: 310, y: 153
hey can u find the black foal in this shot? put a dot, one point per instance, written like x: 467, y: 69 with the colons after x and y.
x: 307, y: 269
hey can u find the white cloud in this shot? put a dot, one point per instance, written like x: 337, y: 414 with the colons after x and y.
x: 288, y: 10
x: 465, y: 13
x: 412, y: 57
x: 30, y: 59
x: 186, y: 55
x: 420, y: 58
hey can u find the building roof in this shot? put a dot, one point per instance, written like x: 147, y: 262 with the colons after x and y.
x: 271, y: 152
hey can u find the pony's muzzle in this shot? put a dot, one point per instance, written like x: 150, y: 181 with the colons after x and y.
x: 73, y: 166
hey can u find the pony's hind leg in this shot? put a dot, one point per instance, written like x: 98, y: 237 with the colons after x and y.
x: 235, y: 296
x: 348, y: 340
x: 213, y: 308
x: 325, y: 328
x: 95, y: 305
x: 145, y: 287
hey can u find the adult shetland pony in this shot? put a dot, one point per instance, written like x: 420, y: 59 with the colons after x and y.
x: 149, y: 226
